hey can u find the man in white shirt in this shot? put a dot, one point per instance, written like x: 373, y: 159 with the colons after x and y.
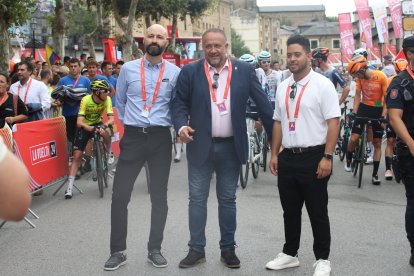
x: 34, y: 94
x: 306, y: 125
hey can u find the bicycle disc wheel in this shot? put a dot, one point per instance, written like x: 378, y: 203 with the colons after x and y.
x: 244, y: 174
x: 99, y: 169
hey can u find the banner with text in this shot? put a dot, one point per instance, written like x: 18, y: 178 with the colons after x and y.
x: 365, y: 20
x: 380, y: 16
x: 396, y: 17
x: 41, y: 145
x: 347, y: 36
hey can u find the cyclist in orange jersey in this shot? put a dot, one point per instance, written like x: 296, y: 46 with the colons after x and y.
x: 371, y: 88
x: 399, y: 66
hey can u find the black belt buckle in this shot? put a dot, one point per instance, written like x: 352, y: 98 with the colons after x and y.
x: 297, y: 150
x: 143, y: 130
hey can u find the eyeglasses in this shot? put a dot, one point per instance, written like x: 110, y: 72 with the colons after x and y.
x: 215, y: 78
x: 102, y: 91
x: 293, y: 89
x: 265, y: 61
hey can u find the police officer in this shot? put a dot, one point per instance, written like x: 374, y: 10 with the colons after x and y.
x: 400, y: 102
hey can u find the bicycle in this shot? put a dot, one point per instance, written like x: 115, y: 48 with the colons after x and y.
x: 255, y: 151
x: 360, y: 154
x: 345, y: 125
x: 100, y: 159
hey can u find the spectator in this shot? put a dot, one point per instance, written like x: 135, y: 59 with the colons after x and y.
x: 388, y: 69
x: 12, y: 108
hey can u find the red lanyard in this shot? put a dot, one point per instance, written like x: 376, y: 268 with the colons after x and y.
x: 4, y: 98
x: 210, y: 85
x: 297, y: 103
x: 157, y: 87
x: 76, y: 82
x: 27, y: 91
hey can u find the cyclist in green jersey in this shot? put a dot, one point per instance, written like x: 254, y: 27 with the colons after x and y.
x: 89, y: 117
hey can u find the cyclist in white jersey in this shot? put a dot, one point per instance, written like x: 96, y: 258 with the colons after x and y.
x: 273, y: 78
x: 260, y: 74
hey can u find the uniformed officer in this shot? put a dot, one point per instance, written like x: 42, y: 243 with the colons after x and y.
x: 400, y: 102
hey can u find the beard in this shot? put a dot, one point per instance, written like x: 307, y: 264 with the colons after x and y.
x: 300, y: 68
x: 154, y: 49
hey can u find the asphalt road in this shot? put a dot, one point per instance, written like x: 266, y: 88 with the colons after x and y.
x: 72, y: 236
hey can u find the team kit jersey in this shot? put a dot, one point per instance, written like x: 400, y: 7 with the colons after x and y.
x: 333, y: 74
x: 273, y: 80
x: 93, y: 111
x: 374, y: 89
x: 83, y: 82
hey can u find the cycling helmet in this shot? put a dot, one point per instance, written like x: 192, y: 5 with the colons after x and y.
x: 248, y: 58
x: 400, y: 65
x: 264, y: 55
x: 320, y: 52
x: 97, y: 85
x: 356, y: 64
x: 361, y: 51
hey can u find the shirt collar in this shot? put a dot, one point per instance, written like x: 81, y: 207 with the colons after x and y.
x: 149, y: 64
x: 303, y: 81
x: 25, y: 83
x: 211, y: 68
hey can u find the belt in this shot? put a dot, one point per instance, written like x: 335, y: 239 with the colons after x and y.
x: 305, y: 150
x: 222, y: 139
x: 147, y: 129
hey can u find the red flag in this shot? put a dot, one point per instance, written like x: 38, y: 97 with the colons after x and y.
x: 396, y: 15
x: 347, y: 36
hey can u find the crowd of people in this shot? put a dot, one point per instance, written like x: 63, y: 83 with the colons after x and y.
x: 206, y: 103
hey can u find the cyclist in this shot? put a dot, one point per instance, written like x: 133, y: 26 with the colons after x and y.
x: 363, y: 52
x: 371, y: 88
x: 320, y: 61
x: 273, y: 78
x: 89, y: 117
x: 399, y: 66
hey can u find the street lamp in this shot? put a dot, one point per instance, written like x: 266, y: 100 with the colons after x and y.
x: 33, y: 24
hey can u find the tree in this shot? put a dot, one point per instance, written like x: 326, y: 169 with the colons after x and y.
x: 59, y: 28
x: 11, y: 12
x: 238, y: 47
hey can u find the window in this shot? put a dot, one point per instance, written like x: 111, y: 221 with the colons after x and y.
x: 314, y: 43
x: 336, y: 43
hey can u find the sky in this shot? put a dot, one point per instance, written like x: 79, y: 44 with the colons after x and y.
x: 333, y: 7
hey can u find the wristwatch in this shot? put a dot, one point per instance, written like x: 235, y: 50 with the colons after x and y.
x: 328, y: 156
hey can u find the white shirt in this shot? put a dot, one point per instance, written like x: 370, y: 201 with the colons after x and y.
x: 273, y: 81
x: 319, y: 103
x: 261, y: 75
x: 38, y: 92
x: 221, y: 124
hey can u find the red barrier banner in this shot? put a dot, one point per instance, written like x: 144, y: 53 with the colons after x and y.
x: 6, y: 134
x: 41, y: 145
x: 396, y: 15
x: 347, y: 36
x: 365, y: 20
x: 118, y: 132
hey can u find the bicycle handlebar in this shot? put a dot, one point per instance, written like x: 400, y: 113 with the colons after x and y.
x: 366, y: 119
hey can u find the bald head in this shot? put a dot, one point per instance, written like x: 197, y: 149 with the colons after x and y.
x: 156, y: 40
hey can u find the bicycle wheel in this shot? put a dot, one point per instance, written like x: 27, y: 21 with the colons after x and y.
x: 344, y: 145
x: 99, y: 167
x: 256, y: 161
x: 362, y: 158
x: 264, y: 151
x: 356, y: 160
x: 244, y: 174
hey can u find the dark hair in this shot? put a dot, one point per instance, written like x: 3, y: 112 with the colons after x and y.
x: 74, y: 60
x: 55, y: 80
x: 301, y: 40
x: 119, y: 62
x: 105, y: 63
x: 45, y: 63
x: 45, y: 73
x: 28, y: 64
x: 91, y: 62
x: 82, y: 56
x: 66, y: 58
x: 4, y: 74
x: 215, y: 30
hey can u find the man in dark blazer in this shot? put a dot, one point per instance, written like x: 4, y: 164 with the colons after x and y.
x: 209, y: 113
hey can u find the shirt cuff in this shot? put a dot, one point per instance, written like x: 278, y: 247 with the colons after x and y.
x: 3, y: 150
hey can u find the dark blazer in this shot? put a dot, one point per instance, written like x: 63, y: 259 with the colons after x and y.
x: 191, y: 106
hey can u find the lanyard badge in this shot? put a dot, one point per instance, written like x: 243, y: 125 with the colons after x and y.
x: 147, y: 108
x: 292, y: 121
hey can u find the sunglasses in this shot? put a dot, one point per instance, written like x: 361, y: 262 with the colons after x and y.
x: 102, y: 91
x: 361, y: 72
x: 265, y: 61
x: 293, y: 89
x: 215, y: 79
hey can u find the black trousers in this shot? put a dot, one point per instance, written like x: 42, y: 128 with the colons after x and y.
x: 298, y: 184
x: 136, y: 149
x: 406, y: 164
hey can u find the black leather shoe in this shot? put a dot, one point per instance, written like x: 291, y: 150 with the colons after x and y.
x: 230, y: 259
x: 193, y: 258
x: 412, y: 259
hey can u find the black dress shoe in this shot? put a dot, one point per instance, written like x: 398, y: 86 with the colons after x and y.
x: 230, y: 259
x: 193, y: 258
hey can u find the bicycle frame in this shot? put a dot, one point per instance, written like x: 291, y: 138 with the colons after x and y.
x: 99, y: 162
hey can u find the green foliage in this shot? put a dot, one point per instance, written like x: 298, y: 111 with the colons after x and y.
x: 81, y: 21
x: 237, y: 45
x: 332, y: 18
x: 18, y: 11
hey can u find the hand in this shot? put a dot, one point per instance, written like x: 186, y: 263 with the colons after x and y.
x: 186, y: 134
x: 324, y: 168
x: 91, y: 128
x: 273, y: 165
x: 9, y: 120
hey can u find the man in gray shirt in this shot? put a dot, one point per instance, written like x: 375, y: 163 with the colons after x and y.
x: 389, y: 69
